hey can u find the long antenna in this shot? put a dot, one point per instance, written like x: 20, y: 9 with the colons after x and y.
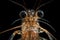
x: 18, y: 4
x: 44, y: 4
x: 24, y: 3
x: 34, y: 5
x: 10, y: 29
x: 47, y: 24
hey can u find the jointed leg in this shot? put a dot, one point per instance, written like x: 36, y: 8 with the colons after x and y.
x: 16, y: 32
x: 41, y: 38
x: 48, y: 33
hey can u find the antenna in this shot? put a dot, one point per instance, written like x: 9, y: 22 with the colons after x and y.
x: 44, y: 4
x: 35, y: 4
x: 18, y: 4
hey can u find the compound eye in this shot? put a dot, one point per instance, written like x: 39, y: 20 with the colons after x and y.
x: 23, y: 14
x: 40, y: 13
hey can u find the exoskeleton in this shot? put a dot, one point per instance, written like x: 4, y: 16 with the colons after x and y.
x: 30, y: 27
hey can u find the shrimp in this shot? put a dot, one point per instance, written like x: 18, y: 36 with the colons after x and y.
x: 30, y: 27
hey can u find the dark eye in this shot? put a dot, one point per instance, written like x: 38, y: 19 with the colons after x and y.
x: 40, y: 13
x: 22, y: 14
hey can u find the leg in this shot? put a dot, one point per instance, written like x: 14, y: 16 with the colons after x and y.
x: 42, y: 38
x: 19, y: 39
x: 48, y: 33
x: 16, y: 32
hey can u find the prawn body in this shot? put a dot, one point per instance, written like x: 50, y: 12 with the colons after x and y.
x: 30, y: 27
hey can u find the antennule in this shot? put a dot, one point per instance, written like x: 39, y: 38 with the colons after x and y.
x: 44, y: 4
x: 18, y: 4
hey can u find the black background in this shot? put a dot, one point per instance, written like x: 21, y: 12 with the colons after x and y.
x: 10, y: 12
